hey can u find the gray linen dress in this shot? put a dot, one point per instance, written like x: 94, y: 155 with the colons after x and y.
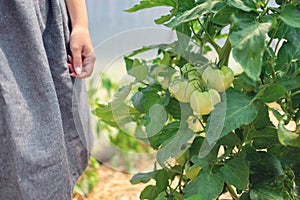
x: 42, y: 150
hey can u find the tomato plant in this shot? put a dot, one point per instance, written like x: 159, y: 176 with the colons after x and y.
x: 247, y: 141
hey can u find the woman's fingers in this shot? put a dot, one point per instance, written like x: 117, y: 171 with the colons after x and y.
x: 71, y: 70
x: 77, y: 58
x: 87, y: 68
x: 83, y: 57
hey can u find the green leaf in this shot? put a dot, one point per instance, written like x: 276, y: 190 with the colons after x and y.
x: 163, y: 19
x: 237, y: 110
x: 245, y: 196
x: 207, y: 155
x: 136, y: 68
x: 291, y: 84
x: 244, y: 83
x: 115, y: 116
x: 175, y: 146
x: 244, y: 5
x: 183, y: 32
x: 143, y: 101
x: 263, y: 119
x: 106, y: 83
x: 289, y: 52
x: 152, y: 3
x: 223, y: 16
x: 268, y: 132
x: 165, y: 135
x: 162, y: 47
x: 161, y: 196
x: 208, y: 184
x: 174, y: 108
x: 158, y: 117
x: 196, y: 145
x: 121, y: 95
x: 236, y: 172
x: 265, y: 193
x: 142, y: 177
x: 178, y: 109
x: 194, y: 197
x: 194, y: 13
x: 271, y: 93
x: 264, y: 142
x: 264, y: 138
x: 162, y: 180
x: 216, y: 123
x: 248, y: 47
x: 150, y: 192
x: 186, y: 5
x: 230, y: 140
x: 291, y: 15
x: 288, y: 138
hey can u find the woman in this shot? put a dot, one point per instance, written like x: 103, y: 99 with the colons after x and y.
x: 43, y: 118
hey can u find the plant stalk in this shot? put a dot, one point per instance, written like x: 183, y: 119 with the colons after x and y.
x: 210, y: 40
x: 231, y: 191
x: 224, y: 54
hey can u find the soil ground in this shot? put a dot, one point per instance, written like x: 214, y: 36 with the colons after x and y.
x: 113, y: 185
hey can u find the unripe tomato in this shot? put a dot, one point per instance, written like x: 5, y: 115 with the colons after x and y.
x: 218, y: 79
x: 203, y: 102
x: 182, y: 90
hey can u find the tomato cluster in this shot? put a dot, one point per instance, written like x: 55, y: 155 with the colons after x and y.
x: 202, y: 101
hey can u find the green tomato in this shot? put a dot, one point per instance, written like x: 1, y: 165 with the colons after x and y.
x: 218, y: 79
x: 182, y: 90
x: 203, y: 102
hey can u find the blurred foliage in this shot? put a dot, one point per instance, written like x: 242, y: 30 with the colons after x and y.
x: 88, y: 179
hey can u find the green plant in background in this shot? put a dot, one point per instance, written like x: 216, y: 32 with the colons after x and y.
x: 106, y: 123
x: 211, y: 130
x: 88, y: 179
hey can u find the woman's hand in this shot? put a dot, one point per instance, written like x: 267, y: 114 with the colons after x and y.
x: 81, y: 63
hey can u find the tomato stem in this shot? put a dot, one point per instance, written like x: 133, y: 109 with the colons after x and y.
x: 231, y: 191
x: 201, y: 83
x: 270, y: 63
x: 210, y: 40
x: 224, y: 54
x: 201, y: 124
x: 180, y: 178
x: 274, y: 33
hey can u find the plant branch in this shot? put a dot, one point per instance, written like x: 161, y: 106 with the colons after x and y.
x: 196, y: 35
x: 231, y: 191
x: 210, y: 40
x: 224, y: 54
x: 201, y: 123
x: 180, y: 178
x: 270, y: 62
x: 274, y: 33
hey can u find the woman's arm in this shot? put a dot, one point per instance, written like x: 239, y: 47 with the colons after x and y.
x: 83, y: 58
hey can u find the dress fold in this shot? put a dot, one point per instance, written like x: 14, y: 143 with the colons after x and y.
x: 42, y: 150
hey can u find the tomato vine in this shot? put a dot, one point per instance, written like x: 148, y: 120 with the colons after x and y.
x: 245, y: 140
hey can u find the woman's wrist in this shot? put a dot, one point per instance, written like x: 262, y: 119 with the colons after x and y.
x: 78, y: 13
x: 80, y: 28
